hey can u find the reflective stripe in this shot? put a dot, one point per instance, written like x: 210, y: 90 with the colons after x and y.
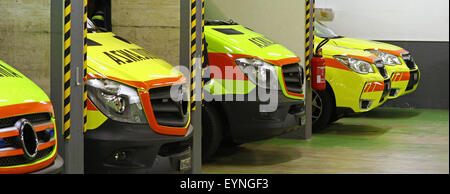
x: 98, y: 17
x: 4, y: 130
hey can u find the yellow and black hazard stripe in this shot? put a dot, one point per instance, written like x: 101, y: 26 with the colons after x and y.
x: 67, y: 62
x: 193, y: 51
x: 309, y: 29
x: 85, y: 32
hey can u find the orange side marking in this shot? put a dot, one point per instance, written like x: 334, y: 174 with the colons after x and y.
x: 28, y: 169
x: 146, y: 85
x: 43, y: 127
x: 9, y: 134
x: 367, y: 87
x: 11, y: 153
x: 406, y: 76
x: 25, y: 108
x: 335, y: 64
x: 396, y: 52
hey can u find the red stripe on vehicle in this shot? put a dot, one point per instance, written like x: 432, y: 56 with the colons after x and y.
x: 335, y: 64
x: 44, y: 127
x: 400, y: 77
x: 394, y: 52
x: 221, y: 64
x: 374, y: 87
x: 367, y: 87
x: 370, y: 58
x: 379, y: 86
x: 394, y: 77
x: 28, y: 169
x: 25, y: 108
x: 146, y: 85
x: 405, y: 76
x: 91, y: 106
x: 19, y: 151
x: 226, y: 62
x: 9, y: 134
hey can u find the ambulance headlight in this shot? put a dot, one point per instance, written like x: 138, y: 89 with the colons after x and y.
x: 259, y: 72
x: 357, y: 65
x: 117, y: 101
x: 388, y: 59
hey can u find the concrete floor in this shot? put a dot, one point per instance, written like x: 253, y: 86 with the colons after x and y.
x: 385, y: 140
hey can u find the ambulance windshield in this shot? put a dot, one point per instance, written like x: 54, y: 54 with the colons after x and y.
x: 324, y: 32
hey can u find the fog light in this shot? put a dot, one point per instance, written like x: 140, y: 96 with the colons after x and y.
x: 120, y: 156
x: 365, y: 104
x: 394, y: 92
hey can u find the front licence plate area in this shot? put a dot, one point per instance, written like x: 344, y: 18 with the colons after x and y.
x: 186, y: 164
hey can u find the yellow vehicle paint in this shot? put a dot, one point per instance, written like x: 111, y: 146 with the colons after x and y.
x: 110, y: 57
x: 127, y: 61
x: 247, y: 43
x: 134, y: 124
x: 28, y: 136
x: 348, y: 86
x: 238, y: 113
x: 226, y: 43
x: 400, y: 86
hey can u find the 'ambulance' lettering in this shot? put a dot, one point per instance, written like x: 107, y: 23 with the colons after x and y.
x: 125, y: 56
x: 6, y: 72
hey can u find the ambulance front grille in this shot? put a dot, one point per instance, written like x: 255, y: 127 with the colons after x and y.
x: 382, y: 69
x: 293, y: 78
x: 20, y: 160
x: 409, y: 61
x: 386, y: 90
x: 33, y: 118
x: 168, y: 111
x: 11, y: 143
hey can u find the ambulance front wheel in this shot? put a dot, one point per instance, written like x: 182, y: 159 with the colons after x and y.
x: 322, y: 109
x: 212, y: 131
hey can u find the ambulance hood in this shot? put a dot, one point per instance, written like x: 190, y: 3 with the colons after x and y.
x: 116, y: 58
x: 237, y: 39
x: 329, y: 51
x: 361, y: 44
x: 15, y: 88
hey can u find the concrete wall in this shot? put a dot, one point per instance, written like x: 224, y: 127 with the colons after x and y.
x: 25, y: 38
x: 406, y: 20
x: 152, y: 24
x: 433, y: 61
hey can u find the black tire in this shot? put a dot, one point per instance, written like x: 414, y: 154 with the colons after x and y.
x: 334, y: 117
x: 229, y: 144
x: 212, y: 131
x: 323, y: 107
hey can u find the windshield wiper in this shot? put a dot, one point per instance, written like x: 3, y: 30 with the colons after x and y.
x: 321, y: 44
x: 336, y: 37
